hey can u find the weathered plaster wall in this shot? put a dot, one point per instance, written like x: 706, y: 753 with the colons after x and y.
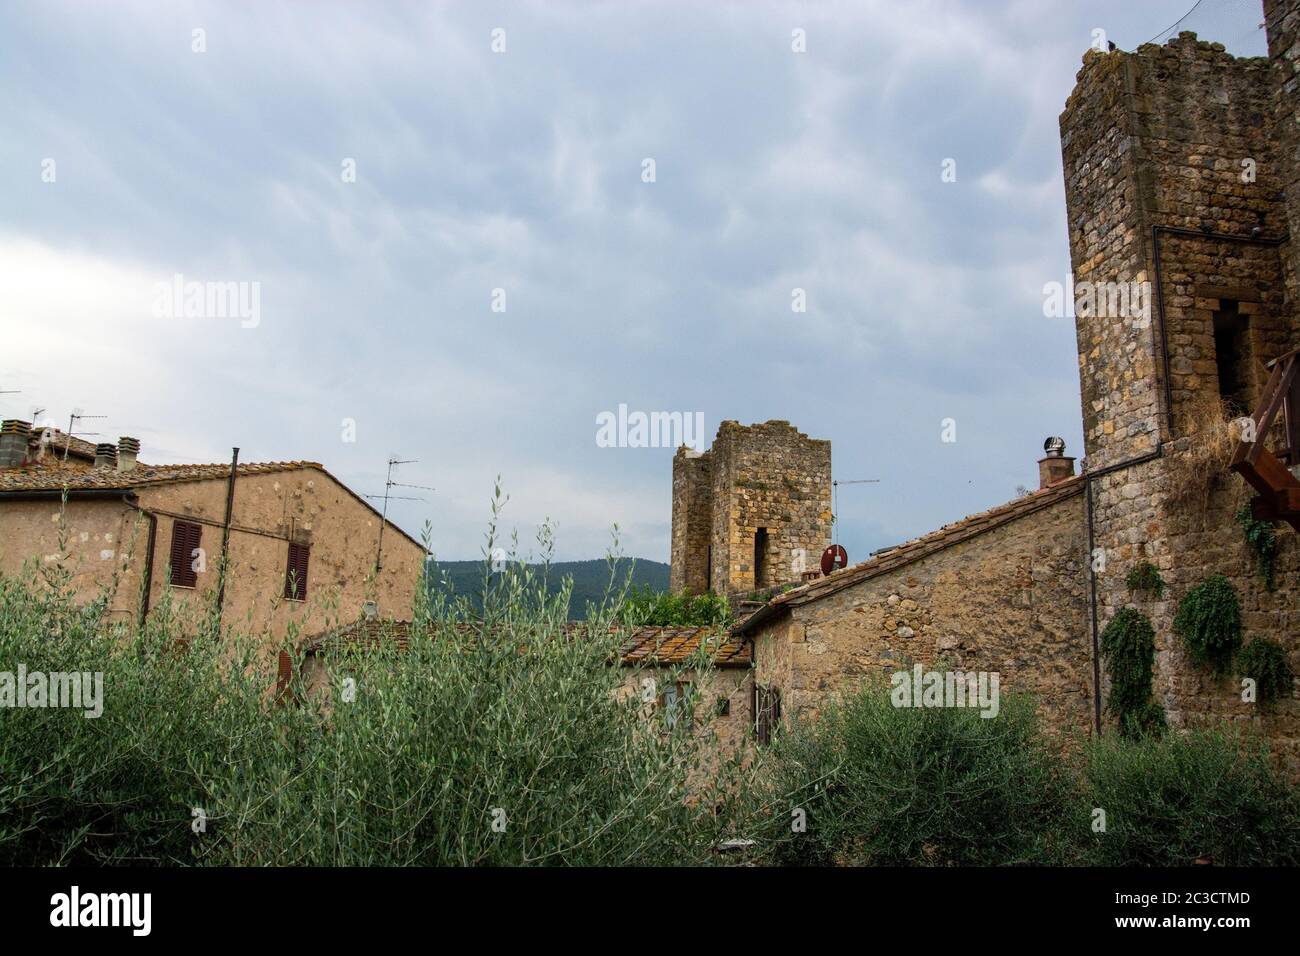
x: 306, y: 505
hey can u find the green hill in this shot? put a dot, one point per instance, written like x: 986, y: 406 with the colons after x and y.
x: 590, y: 578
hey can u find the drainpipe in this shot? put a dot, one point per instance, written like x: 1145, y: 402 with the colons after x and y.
x: 1092, y: 613
x: 148, y: 558
x: 225, y: 532
x: 1092, y: 569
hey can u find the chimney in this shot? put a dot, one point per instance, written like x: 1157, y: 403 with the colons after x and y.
x: 1054, y: 467
x: 105, y: 455
x: 14, y: 436
x: 127, y: 449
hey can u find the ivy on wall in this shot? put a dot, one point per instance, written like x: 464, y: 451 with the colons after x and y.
x: 1145, y: 577
x: 1129, y: 645
x: 1262, y: 538
x: 1264, y: 661
x: 1209, y: 622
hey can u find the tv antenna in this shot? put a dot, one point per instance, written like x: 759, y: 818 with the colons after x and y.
x: 835, y: 493
x: 388, y: 496
x: 75, y: 417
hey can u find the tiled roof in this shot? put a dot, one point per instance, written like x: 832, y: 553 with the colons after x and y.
x: 645, y: 647
x: 916, y: 549
x: 659, y: 646
x: 42, y: 477
x: 76, y: 447
x: 55, y: 477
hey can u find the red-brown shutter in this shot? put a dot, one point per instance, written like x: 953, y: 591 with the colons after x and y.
x: 185, y: 538
x: 295, y: 573
x: 284, y: 676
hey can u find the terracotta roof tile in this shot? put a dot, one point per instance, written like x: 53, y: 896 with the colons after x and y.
x: 42, y: 477
x: 659, y: 646
x: 917, y: 548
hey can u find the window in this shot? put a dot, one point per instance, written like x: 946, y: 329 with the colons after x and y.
x: 295, y: 572
x: 724, y: 706
x: 760, y: 558
x: 675, y: 702
x: 184, y: 560
x: 1232, y: 356
x: 767, y: 712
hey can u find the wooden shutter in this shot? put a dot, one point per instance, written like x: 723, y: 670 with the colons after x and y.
x: 283, y: 677
x: 767, y: 712
x: 295, y: 572
x: 186, y: 536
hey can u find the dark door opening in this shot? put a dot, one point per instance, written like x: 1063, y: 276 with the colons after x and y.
x: 1232, y: 357
x: 760, y: 558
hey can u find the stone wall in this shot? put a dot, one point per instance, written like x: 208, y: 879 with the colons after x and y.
x: 692, y: 521
x: 725, y: 735
x: 1283, y: 25
x: 1011, y: 600
x: 770, y: 477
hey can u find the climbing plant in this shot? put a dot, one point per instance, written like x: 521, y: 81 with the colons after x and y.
x: 1209, y: 622
x: 1129, y: 646
x: 1264, y: 661
x: 1146, y: 577
x: 1262, y: 538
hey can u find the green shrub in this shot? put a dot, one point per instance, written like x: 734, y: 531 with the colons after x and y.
x: 882, y: 785
x: 1129, y: 645
x: 1264, y: 661
x: 1185, y: 797
x: 643, y: 606
x: 1209, y: 622
x: 1145, y: 576
x: 503, y: 717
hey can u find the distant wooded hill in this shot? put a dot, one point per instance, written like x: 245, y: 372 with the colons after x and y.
x: 590, y: 579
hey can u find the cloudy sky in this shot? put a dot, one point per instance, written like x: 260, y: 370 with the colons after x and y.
x: 523, y: 170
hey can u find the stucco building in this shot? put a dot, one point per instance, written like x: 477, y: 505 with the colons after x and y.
x: 300, y: 548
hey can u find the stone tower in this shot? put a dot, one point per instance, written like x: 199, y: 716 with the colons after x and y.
x: 1175, y: 175
x: 751, y: 512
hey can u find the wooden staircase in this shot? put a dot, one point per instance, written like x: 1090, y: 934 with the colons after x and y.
x: 1269, y: 473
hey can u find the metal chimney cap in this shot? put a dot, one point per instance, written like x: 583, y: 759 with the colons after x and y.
x: 1054, y: 447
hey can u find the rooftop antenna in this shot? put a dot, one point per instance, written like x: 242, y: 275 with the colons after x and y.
x: 389, y: 485
x: 75, y: 417
x: 835, y: 557
x: 835, y: 493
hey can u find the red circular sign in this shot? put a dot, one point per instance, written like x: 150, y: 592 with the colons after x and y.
x: 834, y: 558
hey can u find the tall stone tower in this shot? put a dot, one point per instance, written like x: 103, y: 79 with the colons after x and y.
x: 751, y: 512
x: 1175, y: 174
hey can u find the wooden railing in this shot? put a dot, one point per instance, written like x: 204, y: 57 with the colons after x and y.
x: 1281, y: 393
